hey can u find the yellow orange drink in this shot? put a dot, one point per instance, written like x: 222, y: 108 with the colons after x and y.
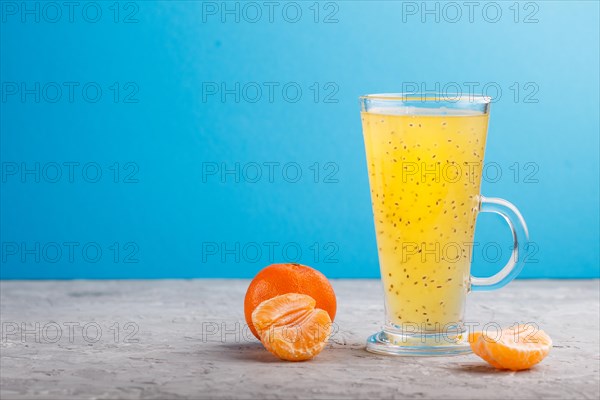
x: 424, y: 172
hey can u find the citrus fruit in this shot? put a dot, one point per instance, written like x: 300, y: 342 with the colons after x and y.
x: 277, y: 279
x: 478, y: 347
x: 291, y: 327
x: 515, y: 348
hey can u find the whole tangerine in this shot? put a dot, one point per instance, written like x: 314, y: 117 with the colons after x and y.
x: 278, y: 279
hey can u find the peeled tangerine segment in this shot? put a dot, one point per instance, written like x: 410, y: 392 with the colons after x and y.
x: 291, y: 327
x: 514, y: 348
x: 478, y: 347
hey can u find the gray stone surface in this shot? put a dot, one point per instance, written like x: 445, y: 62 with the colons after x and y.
x: 166, y: 351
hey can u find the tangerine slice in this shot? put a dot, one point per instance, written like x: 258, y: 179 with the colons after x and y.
x: 478, y: 347
x: 517, y: 348
x: 291, y: 327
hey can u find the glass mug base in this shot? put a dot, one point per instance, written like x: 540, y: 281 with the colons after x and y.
x: 418, y: 344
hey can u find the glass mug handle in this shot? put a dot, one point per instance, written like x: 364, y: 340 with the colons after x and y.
x: 520, y: 235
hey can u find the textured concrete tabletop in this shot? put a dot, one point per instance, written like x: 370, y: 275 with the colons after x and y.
x: 186, y: 339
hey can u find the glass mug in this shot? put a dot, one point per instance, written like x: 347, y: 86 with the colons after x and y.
x: 425, y: 160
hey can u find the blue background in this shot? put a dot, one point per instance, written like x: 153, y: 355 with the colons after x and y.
x: 168, y: 219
